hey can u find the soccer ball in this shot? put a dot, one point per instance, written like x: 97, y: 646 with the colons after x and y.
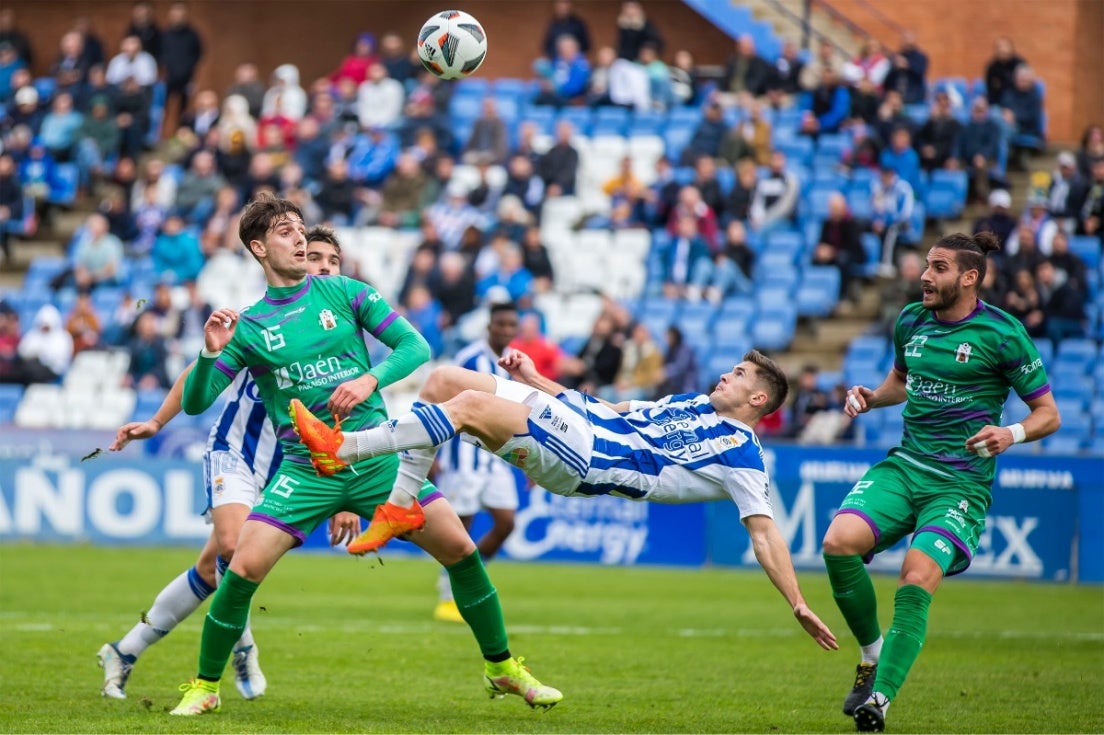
x: 452, y: 44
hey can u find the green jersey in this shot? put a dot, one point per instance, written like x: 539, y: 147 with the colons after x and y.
x: 957, y: 376
x: 302, y: 342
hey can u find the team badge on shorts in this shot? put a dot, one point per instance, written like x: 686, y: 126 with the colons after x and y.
x: 962, y: 354
x: 218, y: 486
x: 327, y: 319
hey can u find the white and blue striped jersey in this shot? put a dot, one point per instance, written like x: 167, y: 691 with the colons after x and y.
x: 674, y: 450
x: 243, y: 429
x: 457, y: 455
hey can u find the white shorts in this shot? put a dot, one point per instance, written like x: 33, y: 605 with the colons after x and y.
x: 228, y: 480
x: 468, y: 491
x: 556, y: 452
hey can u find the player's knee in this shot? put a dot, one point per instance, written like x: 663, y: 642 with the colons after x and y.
x: 840, y: 543
x: 227, y: 545
x: 442, y: 384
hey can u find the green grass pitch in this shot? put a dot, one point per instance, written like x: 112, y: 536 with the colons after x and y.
x: 348, y: 646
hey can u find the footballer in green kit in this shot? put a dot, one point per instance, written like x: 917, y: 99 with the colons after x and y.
x: 304, y: 340
x: 955, y: 360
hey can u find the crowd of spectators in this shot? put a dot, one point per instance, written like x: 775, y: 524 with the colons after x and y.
x: 372, y: 143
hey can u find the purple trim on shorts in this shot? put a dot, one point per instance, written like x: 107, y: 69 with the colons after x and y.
x: 869, y: 556
x: 435, y: 495
x: 378, y: 329
x: 288, y: 299
x: 1037, y: 392
x: 954, y: 540
x: 292, y: 531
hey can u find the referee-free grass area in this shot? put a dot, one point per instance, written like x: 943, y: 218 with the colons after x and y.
x: 348, y: 645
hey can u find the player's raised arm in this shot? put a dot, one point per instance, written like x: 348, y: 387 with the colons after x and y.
x: 165, y: 413
x: 773, y: 555
x: 206, y: 381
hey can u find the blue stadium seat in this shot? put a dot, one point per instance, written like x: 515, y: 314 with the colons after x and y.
x: 518, y: 88
x: 833, y: 144
x: 659, y: 308
x: 773, y: 331
x: 797, y: 150
x: 867, y: 348
x: 696, y: 318
x: 815, y: 204
x: 45, y: 86
x: 829, y: 379
x: 63, y: 185
x: 772, y: 299
x: 786, y: 241
x: 478, y: 86
x: 1063, y: 444
x: 579, y: 117
x: 779, y: 275
x: 544, y: 118
x: 1079, y: 350
x: 647, y: 122
x: 818, y: 293
x: 676, y: 137
x: 465, y: 106
x: 684, y: 116
x: 1045, y: 348
x: 734, y: 311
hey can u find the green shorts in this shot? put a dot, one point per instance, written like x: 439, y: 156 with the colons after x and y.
x: 297, y: 500
x: 896, y: 498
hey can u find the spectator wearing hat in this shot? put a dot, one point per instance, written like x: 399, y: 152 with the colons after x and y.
x: 46, y: 350
x: 361, y: 57
x: 998, y: 220
x: 26, y: 110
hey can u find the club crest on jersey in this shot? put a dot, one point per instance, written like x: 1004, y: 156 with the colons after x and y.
x: 962, y: 354
x: 327, y: 319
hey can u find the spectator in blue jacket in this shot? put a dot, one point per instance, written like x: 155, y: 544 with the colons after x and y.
x: 565, y: 78
x: 176, y: 254
x: 903, y: 158
x: 373, y: 156
x: 686, y: 257
x: 828, y: 105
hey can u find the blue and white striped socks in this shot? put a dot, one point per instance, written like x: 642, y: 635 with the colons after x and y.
x: 427, y: 426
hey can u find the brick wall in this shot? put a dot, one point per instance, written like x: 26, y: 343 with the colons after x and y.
x: 1061, y: 39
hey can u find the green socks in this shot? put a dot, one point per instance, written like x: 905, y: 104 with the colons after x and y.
x: 854, y: 594
x: 223, y: 626
x: 904, y: 639
x: 477, y: 600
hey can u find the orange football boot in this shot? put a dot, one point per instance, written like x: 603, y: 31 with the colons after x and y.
x: 388, y: 521
x: 322, y: 441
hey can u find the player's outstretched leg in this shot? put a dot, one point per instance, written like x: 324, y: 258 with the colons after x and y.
x: 513, y: 677
x: 200, y: 697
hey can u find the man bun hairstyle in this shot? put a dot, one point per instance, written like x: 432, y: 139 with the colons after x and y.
x: 971, y: 251
x: 773, y: 379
